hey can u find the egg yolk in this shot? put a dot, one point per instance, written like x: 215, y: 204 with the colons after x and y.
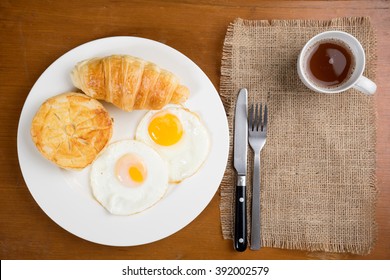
x: 130, y: 170
x: 136, y: 174
x: 165, y: 129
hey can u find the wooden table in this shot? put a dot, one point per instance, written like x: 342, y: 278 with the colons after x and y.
x: 36, y: 33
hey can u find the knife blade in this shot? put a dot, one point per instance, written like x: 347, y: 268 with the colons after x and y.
x: 240, y: 165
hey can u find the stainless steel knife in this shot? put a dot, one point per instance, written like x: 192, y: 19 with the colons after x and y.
x: 240, y: 162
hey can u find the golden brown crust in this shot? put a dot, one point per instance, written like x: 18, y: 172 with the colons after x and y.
x: 71, y: 129
x: 128, y: 82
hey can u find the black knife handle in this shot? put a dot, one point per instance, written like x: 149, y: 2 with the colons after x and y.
x: 240, y: 229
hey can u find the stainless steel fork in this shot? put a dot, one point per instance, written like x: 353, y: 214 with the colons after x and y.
x: 257, y: 129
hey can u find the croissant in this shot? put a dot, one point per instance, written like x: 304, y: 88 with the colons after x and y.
x: 128, y: 82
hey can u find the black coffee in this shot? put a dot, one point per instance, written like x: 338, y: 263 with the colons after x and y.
x: 330, y: 63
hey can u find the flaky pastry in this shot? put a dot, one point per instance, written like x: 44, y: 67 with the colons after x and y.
x: 71, y: 129
x: 128, y: 82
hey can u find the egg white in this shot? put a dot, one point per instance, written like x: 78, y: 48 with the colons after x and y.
x: 186, y: 156
x: 119, y: 199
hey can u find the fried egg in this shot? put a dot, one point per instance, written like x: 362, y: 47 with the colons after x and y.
x: 179, y: 136
x: 129, y: 177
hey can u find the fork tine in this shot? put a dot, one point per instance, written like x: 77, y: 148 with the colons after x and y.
x: 250, y: 118
x: 256, y: 120
x: 265, y: 119
x: 260, y: 117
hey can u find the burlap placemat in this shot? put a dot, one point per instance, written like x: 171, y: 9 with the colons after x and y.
x: 318, y: 165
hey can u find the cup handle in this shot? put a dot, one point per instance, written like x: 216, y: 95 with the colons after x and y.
x: 365, y: 85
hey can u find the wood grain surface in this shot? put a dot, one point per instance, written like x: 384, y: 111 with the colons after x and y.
x: 35, y: 33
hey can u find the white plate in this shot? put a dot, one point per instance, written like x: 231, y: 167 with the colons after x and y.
x: 65, y: 196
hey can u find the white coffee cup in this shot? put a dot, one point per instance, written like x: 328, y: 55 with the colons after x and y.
x: 355, y: 80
